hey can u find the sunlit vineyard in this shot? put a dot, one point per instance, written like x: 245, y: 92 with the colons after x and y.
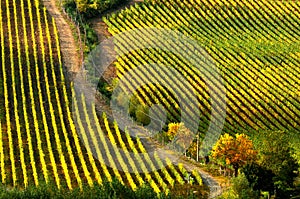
x: 50, y: 134
x: 39, y: 139
x: 255, y: 44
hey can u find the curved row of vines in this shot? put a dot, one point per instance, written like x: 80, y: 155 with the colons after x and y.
x: 39, y: 139
x: 255, y: 44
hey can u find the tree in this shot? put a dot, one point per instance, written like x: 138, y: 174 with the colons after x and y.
x: 172, y: 130
x: 180, y: 136
x: 235, y: 151
x: 242, y: 188
x: 90, y: 8
x: 142, y: 115
x: 276, y: 154
x: 259, y: 177
x: 193, y: 150
x: 84, y: 5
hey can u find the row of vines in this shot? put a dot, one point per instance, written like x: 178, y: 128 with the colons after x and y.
x: 255, y: 45
x: 39, y: 139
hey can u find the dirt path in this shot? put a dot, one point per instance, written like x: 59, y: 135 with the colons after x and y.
x: 213, y: 183
x: 67, y: 42
x: 215, y: 188
x: 72, y: 62
x: 100, y: 27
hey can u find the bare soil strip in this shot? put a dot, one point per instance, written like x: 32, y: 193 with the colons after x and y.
x: 72, y: 63
x: 68, y: 45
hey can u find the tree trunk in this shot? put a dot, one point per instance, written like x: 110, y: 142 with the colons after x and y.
x: 236, y: 170
x: 197, y: 148
x: 206, y: 159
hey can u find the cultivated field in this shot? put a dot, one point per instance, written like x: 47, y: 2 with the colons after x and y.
x: 39, y: 139
x: 48, y: 134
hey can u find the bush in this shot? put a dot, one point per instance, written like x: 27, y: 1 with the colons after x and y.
x: 91, y: 8
x: 91, y: 39
x: 241, y: 186
x: 141, y: 114
x: 42, y: 191
x: 259, y: 178
x: 111, y: 190
x: 145, y: 192
x: 240, y: 189
x: 82, y: 10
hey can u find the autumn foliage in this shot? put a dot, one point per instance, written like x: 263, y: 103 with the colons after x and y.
x: 180, y: 136
x: 235, y: 151
x: 172, y: 130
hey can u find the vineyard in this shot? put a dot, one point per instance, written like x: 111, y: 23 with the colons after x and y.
x: 49, y: 133
x: 39, y: 139
x: 255, y: 45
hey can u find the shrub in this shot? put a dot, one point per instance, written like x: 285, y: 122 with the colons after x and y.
x: 259, y: 177
x: 142, y: 115
x: 240, y: 189
x: 91, y: 39
x: 91, y: 8
x: 111, y: 190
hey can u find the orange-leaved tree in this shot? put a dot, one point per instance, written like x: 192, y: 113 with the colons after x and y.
x: 173, y: 130
x: 180, y: 136
x: 235, y: 151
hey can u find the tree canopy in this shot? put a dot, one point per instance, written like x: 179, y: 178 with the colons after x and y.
x: 235, y: 151
x: 90, y: 8
x: 277, y: 156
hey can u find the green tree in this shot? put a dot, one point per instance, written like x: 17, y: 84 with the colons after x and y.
x: 142, y: 115
x: 90, y: 8
x: 276, y: 154
x: 242, y: 188
x: 259, y: 177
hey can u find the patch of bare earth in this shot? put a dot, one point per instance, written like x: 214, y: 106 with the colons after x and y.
x: 71, y: 58
x: 102, y: 32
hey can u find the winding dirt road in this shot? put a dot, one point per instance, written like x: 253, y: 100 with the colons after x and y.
x: 72, y: 62
x: 214, y: 186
